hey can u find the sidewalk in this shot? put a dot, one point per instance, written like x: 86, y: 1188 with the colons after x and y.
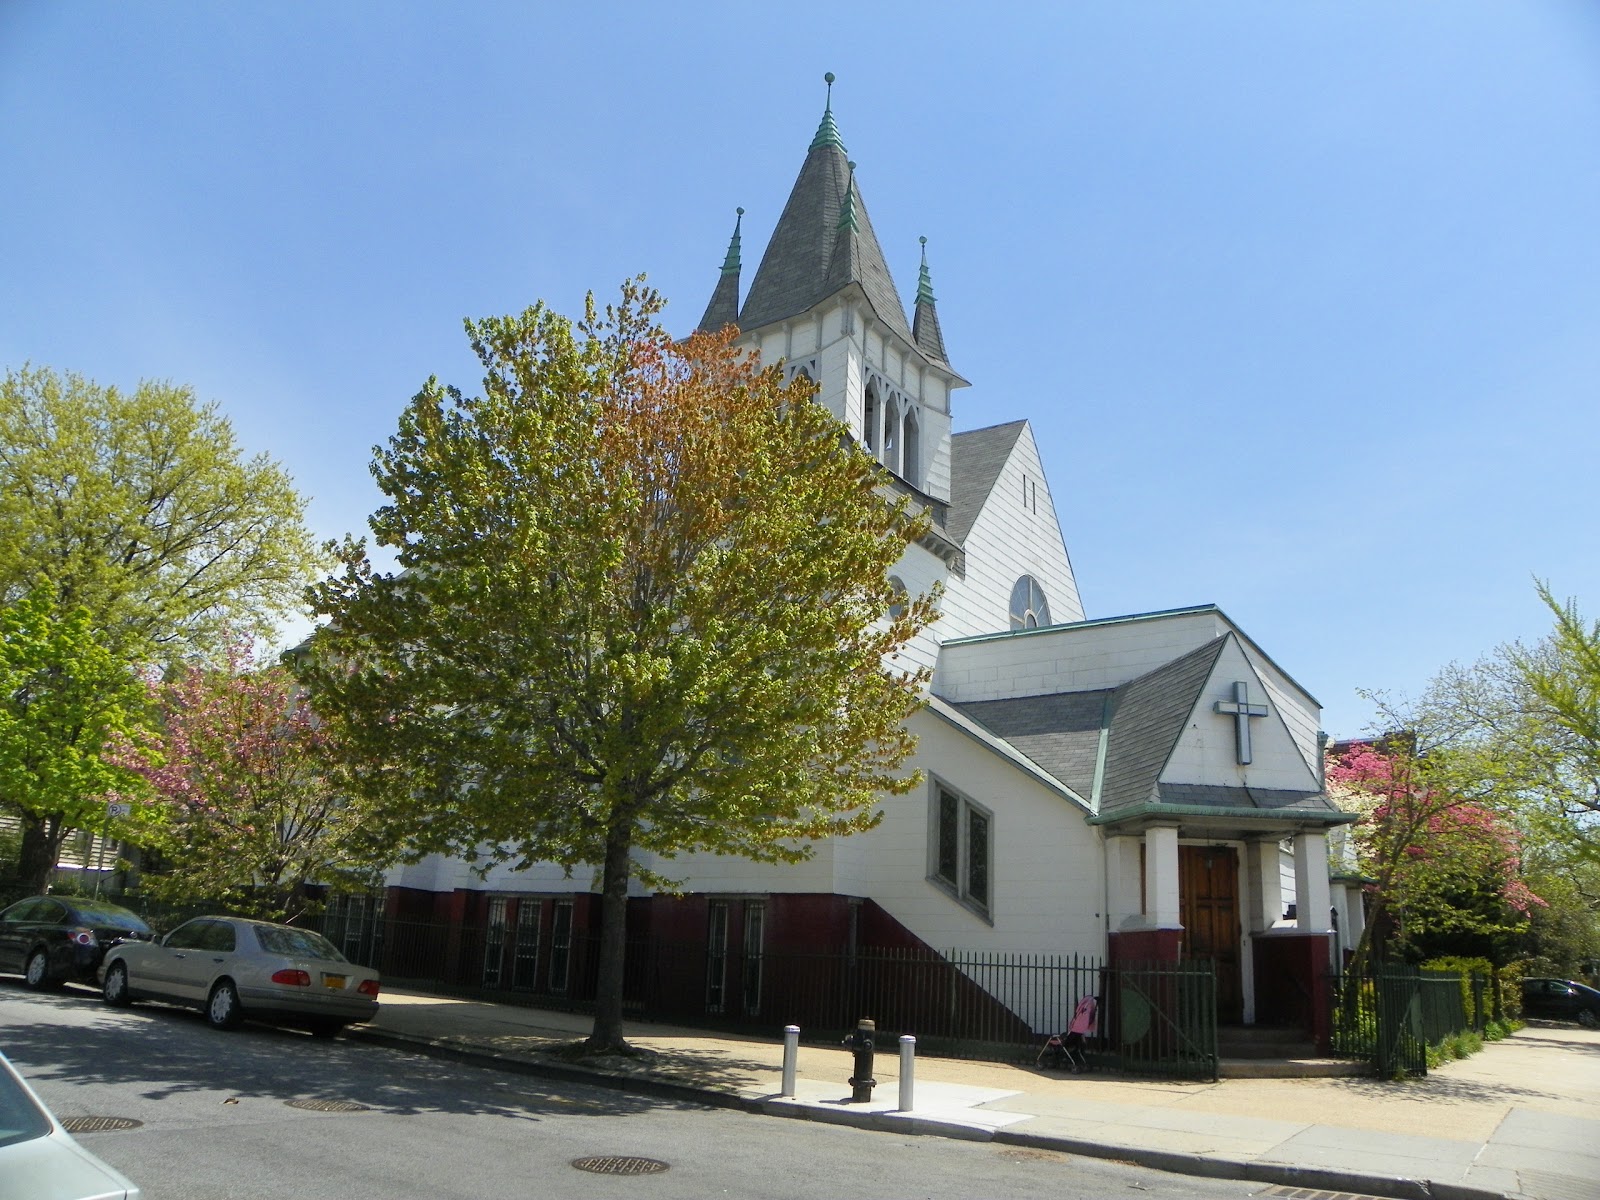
x: 1519, y: 1119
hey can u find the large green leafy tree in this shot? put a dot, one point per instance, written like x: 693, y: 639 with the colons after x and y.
x: 1524, y: 723
x: 640, y: 609
x: 141, y: 509
x: 66, y: 702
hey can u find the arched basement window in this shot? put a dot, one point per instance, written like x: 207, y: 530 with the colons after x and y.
x: 1029, y: 608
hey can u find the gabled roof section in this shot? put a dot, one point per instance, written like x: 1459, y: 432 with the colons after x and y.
x: 976, y: 459
x: 799, y: 269
x: 724, y: 307
x: 1060, y: 733
x: 956, y: 718
x: 1147, y: 718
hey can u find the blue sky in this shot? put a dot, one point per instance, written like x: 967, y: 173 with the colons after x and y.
x: 1303, y: 299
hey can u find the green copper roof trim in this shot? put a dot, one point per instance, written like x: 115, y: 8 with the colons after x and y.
x: 1003, y: 634
x: 924, y: 280
x: 828, y: 132
x: 1100, y: 752
x: 847, y: 210
x: 730, y: 265
x: 1274, y: 816
x: 1129, y: 619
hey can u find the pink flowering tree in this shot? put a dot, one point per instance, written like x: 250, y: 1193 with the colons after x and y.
x: 1443, y: 863
x: 255, y: 811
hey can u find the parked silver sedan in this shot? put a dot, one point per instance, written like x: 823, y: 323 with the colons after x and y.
x: 39, y: 1160
x: 235, y: 970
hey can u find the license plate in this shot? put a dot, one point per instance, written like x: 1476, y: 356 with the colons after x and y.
x: 333, y: 981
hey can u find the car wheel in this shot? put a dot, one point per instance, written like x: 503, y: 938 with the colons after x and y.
x: 223, y: 1010
x: 1588, y: 1018
x: 37, y: 973
x: 326, y: 1029
x: 115, y: 989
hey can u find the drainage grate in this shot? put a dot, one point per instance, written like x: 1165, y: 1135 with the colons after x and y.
x: 1284, y: 1192
x: 327, y: 1105
x: 612, y: 1164
x: 98, y: 1124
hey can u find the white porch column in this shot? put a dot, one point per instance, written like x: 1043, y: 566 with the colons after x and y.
x: 1353, y: 914
x: 1161, y: 877
x: 1313, y: 898
x: 1124, y: 903
x: 1263, y: 877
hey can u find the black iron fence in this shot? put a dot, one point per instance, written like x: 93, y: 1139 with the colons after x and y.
x: 1391, y: 1015
x: 1158, y: 1019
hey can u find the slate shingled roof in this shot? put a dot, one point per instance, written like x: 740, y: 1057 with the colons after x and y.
x: 976, y: 459
x: 1061, y: 733
x: 1147, y: 718
x: 797, y: 271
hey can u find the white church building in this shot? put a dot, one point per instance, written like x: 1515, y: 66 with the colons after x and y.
x: 1143, y: 787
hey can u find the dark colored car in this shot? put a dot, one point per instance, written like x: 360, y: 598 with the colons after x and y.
x: 1563, y: 999
x: 51, y: 939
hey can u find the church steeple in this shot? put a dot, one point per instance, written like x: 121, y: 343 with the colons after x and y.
x: 724, y: 307
x: 803, y: 264
x: 925, y: 324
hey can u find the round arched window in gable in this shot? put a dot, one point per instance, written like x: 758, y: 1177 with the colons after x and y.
x: 897, y: 606
x: 1029, y: 608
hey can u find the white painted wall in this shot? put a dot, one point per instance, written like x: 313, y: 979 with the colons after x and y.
x: 1016, y: 533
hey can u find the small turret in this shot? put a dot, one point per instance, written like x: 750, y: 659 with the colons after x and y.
x: 724, y: 307
x: 925, y: 324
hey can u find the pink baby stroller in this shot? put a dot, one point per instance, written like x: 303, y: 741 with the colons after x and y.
x: 1067, y: 1049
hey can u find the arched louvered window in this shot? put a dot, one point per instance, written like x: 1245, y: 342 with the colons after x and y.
x: 869, y: 420
x: 891, y: 435
x: 911, y: 451
x: 1029, y: 608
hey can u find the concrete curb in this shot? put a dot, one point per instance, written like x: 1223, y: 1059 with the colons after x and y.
x: 1170, y: 1161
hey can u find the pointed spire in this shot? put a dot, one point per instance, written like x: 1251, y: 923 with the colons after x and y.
x: 925, y: 324
x: 847, y: 211
x: 827, y: 131
x: 825, y: 215
x: 730, y: 265
x: 724, y: 307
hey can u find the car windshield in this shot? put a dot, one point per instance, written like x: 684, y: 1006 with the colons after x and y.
x: 20, y: 1118
x: 298, y: 943
x: 109, y: 916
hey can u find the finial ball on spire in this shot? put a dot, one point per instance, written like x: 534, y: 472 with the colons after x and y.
x: 923, y: 240
x: 828, y: 78
x: 740, y: 211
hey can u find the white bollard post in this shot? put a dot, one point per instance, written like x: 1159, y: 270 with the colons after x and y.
x: 908, y: 1063
x: 791, y: 1053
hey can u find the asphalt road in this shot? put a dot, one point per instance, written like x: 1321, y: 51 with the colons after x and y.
x: 218, y: 1124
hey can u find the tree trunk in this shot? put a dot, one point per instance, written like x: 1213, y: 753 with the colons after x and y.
x: 606, y: 1037
x: 41, y: 848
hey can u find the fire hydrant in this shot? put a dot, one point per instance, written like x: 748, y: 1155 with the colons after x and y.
x: 861, y: 1043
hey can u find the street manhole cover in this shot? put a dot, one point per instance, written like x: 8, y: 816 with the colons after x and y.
x: 326, y: 1105
x: 98, y: 1124
x: 613, y: 1164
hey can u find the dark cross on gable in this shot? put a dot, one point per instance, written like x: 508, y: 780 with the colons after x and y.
x: 1241, y: 710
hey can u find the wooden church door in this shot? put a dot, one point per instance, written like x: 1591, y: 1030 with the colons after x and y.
x: 1208, y: 908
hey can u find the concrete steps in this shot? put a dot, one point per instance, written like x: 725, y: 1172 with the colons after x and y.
x: 1264, y: 1052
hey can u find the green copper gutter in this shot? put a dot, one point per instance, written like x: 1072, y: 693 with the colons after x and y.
x: 1296, y: 816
